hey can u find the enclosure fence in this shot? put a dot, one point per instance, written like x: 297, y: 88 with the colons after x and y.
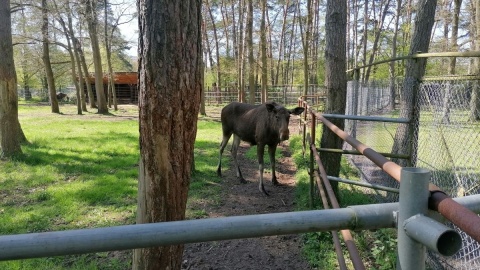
x: 283, y: 94
x: 448, y: 142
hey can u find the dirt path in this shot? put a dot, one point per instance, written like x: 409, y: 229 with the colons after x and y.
x: 272, y: 252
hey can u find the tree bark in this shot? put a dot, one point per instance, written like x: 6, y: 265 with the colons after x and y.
x: 406, y: 136
x: 24, y: 63
x: 365, y: 37
x: 281, y: 43
x: 112, y: 96
x: 81, y: 78
x: 263, y: 42
x: 306, y: 44
x: 217, y: 47
x: 475, y: 99
x: 335, y: 80
x: 11, y: 134
x: 46, y: 60
x: 240, y: 50
x: 251, y: 60
x: 391, y: 104
x: 86, y: 74
x: 378, y: 31
x: 69, y: 35
x: 452, y: 61
x: 170, y: 41
x: 92, y: 22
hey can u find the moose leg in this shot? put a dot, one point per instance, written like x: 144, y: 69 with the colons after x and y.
x: 271, y: 154
x: 222, y: 147
x: 260, y: 152
x: 235, y: 144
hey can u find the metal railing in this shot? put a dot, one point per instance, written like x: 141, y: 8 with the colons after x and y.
x: 363, y: 217
x: 437, y: 199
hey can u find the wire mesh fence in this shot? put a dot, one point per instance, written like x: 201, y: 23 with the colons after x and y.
x: 448, y: 142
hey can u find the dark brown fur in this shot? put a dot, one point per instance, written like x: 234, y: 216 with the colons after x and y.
x: 61, y: 96
x: 265, y: 124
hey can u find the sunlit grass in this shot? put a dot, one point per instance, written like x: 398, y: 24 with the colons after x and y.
x: 81, y: 171
x: 76, y: 171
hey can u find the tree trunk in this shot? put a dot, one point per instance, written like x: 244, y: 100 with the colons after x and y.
x: 452, y: 61
x: 24, y: 63
x: 306, y: 44
x: 71, y: 52
x: 406, y: 136
x: 215, y: 37
x: 108, y: 49
x: 475, y: 99
x: 335, y: 80
x: 225, y: 20
x: 11, y: 134
x: 365, y: 37
x: 240, y: 49
x: 251, y: 60
x: 263, y: 42
x: 391, y: 104
x: 46, y: 60
x: 379, y: 29
x: 92, y: 22
x: 70, y: 37
x: 170, y: 40
x: 281, y: 42
x: 86, y: 74
x: 81, y: 77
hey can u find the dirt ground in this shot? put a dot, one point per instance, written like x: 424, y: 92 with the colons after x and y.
x: 272, y: 252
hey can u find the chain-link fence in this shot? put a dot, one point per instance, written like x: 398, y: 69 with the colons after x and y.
x: 448, y: 142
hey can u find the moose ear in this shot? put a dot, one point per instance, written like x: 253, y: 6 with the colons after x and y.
x: 297, y: 111
x: 270, y: 107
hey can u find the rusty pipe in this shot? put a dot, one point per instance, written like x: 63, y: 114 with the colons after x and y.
x: 336, y: 241
x: 347, y: 235
x: 439, y: 201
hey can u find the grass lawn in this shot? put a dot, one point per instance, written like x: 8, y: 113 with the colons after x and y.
x: 81, y: 171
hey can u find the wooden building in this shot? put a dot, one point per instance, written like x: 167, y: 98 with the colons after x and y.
x: 126, y: 86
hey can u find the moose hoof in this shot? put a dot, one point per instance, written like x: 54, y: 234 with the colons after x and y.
x: 262, y: 189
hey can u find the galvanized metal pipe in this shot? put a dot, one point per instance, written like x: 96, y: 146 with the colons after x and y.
x: 361, y: 217
x: 466, y: 220
x: 434, y: 235
x: 190, y: 231
x: 362, y: 184
x: 413, y: 200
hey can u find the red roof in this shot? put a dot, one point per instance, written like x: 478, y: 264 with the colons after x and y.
x: 118, y: 77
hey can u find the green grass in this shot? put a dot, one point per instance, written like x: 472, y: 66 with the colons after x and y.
x: 75, y: 172
x: 318, y: 246
x: 205, y: 185
x: 81, y: 171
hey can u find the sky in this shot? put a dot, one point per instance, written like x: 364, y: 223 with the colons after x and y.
x: 130, y: 30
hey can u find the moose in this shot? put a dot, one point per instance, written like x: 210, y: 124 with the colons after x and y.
x: 265, y: 124
x: 61, y: 96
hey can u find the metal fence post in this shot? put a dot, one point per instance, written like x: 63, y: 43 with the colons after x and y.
x: 413, y: 200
